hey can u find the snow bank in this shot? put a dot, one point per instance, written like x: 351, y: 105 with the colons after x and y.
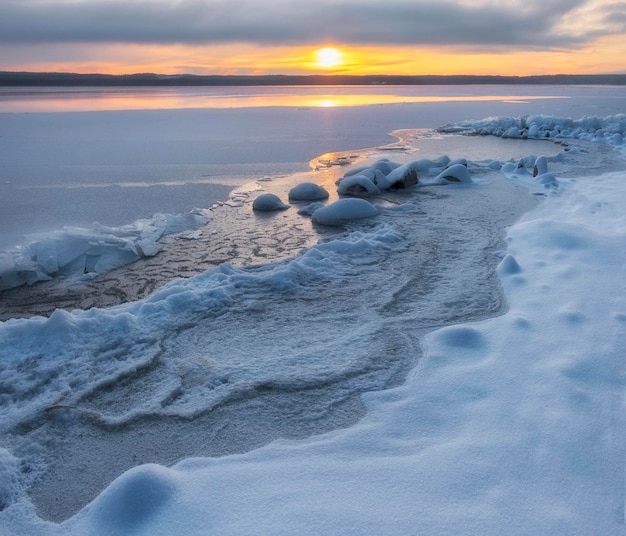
x: 75, y: 251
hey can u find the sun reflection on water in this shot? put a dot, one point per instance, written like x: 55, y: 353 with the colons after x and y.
x: 157, y: 98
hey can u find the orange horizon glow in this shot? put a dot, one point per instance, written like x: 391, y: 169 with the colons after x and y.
x: 601, y: 58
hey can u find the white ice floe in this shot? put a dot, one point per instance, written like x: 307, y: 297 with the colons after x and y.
x: 75, y: 251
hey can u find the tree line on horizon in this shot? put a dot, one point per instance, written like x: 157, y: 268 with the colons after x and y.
x: 10, y: 78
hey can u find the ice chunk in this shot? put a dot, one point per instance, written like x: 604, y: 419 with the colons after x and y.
x: 76, y: 250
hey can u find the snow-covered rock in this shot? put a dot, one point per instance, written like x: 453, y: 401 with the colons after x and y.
x: 308, y: 191
x: 343, y: 211
x: 455, y: 173
x: 357, y: 185
x: 268, y: 203
x: 541, y: 166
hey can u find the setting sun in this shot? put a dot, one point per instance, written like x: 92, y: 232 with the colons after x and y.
x: 328, y: 57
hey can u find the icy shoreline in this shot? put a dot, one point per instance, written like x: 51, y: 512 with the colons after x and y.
x: 188, y: 244
x: 428, y: 271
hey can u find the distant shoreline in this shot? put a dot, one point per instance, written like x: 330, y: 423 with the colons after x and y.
x: 43, y: 79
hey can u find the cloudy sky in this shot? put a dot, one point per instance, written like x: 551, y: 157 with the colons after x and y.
x: 283, y: 36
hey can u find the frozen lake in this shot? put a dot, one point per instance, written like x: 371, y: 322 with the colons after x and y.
x: 64, y: 161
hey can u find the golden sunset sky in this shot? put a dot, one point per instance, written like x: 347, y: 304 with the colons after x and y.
x: 520, y: 37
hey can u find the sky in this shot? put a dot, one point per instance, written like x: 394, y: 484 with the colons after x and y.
x: 508, y: 37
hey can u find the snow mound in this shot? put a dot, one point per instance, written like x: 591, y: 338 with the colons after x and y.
x: 343, y: 211
x: 133, y: 499
x: 508, y: 266
x: 455, y: 173
x: 357, y: 185
x: 268, y: 203
x: 308, y: 191
x: 403, y: 176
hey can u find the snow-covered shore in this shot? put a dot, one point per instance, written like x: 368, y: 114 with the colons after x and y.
x: 512, y: 425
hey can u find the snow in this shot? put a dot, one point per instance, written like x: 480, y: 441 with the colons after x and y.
x: 77, y: 251
x: 344, y: 210
x: 308, y: 191
x: 358, y: 185
x: 507, y: 425
x: 384, y: 175
x: 608, y: 129
x: 455, y: 173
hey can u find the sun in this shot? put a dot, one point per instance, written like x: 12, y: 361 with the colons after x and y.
x: 328, y: 57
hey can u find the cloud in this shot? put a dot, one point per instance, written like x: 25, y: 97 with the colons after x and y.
x: 527, y: 24
x: 615, y: 15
